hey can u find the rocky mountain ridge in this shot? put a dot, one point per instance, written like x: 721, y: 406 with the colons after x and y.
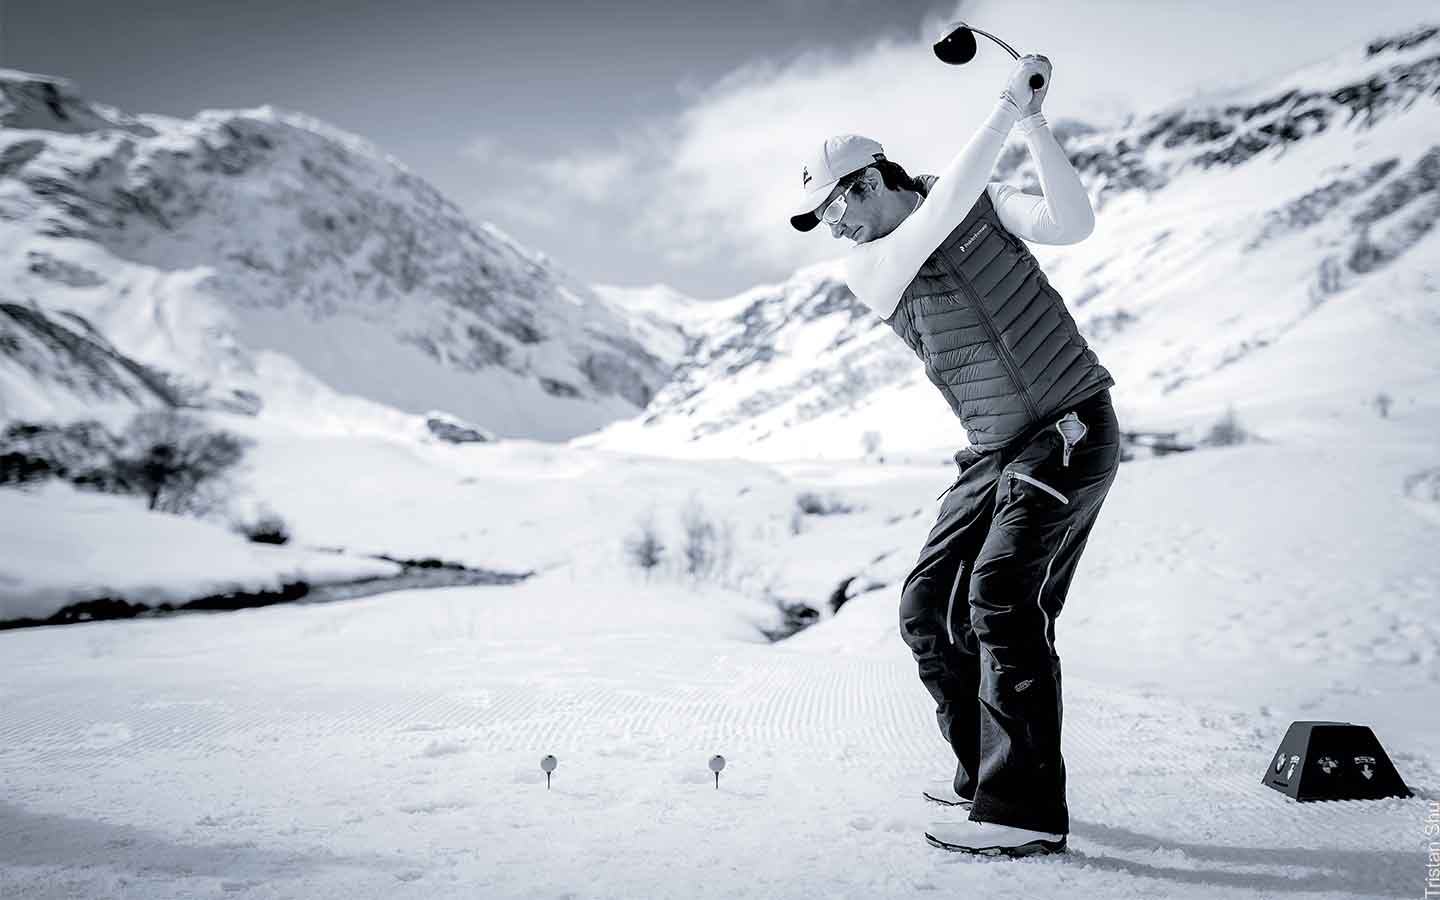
x: 197, y: 246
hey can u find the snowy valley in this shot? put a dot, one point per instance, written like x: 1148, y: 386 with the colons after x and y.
x: 410, y: 385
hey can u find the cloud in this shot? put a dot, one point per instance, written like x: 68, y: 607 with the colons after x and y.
x: 593, y: 176
x: 732, y: 165
x: 714, y: 183
x: 505, y: 186
x: 708, y: 187
x: 544, y: 192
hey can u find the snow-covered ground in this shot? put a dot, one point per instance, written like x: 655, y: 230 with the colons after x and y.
x: 390, y: 746
x: 64, y: 546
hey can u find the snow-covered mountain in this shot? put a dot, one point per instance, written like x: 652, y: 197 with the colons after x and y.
x: 1271, y: 248
x: 771, y: 367
x: 663, y: 318
x: 263, y: 255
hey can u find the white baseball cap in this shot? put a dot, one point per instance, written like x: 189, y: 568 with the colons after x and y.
x: 837, y: 157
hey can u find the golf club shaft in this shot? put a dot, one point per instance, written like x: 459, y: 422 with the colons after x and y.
x: 1008, y: 49
x: 1037, y: 81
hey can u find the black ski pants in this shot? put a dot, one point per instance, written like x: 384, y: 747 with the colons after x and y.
x: 978, y: 609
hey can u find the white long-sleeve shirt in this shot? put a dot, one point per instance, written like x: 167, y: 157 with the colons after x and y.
x: 878, y: 271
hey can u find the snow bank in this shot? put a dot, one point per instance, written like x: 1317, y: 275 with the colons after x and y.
x: 59, y: 546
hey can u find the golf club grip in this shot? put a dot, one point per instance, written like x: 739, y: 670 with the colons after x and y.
x: 1037, y: 81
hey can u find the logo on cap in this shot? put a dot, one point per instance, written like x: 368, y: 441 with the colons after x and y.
x: 805, y: 177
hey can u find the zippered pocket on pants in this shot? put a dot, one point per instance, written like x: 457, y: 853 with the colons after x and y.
x: 950, y: 607
x: 1031, y: 479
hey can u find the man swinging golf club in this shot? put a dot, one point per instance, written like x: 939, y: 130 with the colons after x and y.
x: 941, y: 260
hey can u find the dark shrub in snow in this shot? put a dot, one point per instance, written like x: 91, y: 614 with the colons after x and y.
x: 795, y: 616
x: 268, y: 528
x: 707, y: 546
x: 173, y: 461
x: 169, y: 457
x: 79, y: 451
x: 812, y: 504
x: 16, y: 468
x: 1227, y: 431
x: 643, y: 547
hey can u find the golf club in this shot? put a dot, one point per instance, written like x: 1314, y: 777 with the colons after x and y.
x: 957, y: 47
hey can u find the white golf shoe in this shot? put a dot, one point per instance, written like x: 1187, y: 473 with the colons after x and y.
x: 991, y: 839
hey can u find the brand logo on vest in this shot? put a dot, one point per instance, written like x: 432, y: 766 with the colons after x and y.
x: 973, y: 235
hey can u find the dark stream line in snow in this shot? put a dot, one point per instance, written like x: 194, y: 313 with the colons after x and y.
x: 428, y: 573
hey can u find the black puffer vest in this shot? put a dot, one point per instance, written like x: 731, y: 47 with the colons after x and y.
x: 994, y: 336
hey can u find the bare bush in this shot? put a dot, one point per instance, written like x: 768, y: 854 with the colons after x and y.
x: 1227, y: 431
x: 1382, y: 403
x: 706, y: 549
x: 812, y: 504
x: 707, y: 546
x: 168, y: 457
x: 79, y: 452
x: 175, y: 462
x: 643, y: 546
x: 870, y: 442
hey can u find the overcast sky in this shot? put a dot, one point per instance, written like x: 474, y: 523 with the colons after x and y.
x: 640, y: 142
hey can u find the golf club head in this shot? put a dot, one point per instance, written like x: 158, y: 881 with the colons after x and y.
x: 957, y: 45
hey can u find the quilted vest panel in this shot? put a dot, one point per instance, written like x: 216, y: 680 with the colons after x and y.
x: 993, y: 335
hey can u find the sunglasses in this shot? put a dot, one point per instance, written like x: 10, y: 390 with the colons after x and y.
x: 835, y: 209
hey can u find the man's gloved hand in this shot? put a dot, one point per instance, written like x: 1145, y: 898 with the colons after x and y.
x: 1017, y: 89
